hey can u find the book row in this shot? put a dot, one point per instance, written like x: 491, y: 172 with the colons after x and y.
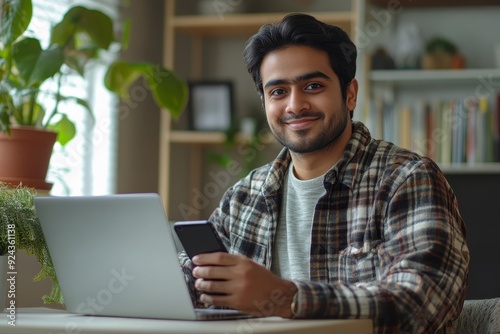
x: 459, y: 130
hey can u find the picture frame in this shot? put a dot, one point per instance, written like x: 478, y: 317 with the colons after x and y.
x: 210, y: 105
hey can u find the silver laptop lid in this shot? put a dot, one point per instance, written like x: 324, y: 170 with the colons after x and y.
x: 115, y: 255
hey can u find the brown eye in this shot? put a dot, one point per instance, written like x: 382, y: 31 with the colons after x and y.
x: 277, y: 92
x: 313, y: 86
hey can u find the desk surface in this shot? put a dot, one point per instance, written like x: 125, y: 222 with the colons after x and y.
x: 45, y: 321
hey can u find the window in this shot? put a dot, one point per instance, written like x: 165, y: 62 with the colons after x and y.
x: 85, y: 166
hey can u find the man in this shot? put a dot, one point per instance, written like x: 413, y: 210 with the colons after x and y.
x: 340, y: 225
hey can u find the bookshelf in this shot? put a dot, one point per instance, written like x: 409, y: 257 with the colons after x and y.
x: 398, y: 98
x: 474, y: 183
x: 207, y: 47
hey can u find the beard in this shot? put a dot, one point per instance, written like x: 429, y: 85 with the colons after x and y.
x: 310, y: 141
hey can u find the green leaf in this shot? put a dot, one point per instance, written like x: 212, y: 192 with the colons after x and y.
x: 6, y: 106
x: 34, y: 64
x: 3, y: 64
x: 4, y: 118
x: 15, y: 18
x: 220, y: 159
x: 5, y: 97
x: 168, y: 90
x: 82, y: 33
x: 126, y: 31
x: 80, y: 102
x: 86, y: 106
x: 97, y: 25
x: 119, y: 76
x: 77, y: 60
x: 440, y: 44
x: 25, y: 116
x: 65, y: 129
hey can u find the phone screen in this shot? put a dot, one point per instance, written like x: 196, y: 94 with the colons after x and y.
x: 198, y: 237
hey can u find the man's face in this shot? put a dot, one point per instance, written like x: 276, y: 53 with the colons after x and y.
x: 302, y: 98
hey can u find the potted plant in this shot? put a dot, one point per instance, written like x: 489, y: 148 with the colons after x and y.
x: 21, y: 230
x: 441, y: 53
x: 25, y: 66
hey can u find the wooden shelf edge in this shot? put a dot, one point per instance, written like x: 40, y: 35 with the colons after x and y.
x: 439, y: 3
x: 208, y: 24
x: 429, y: 75
x: 218, y: 137
x: 196, y: 137
x: 471, y: 168
x: 210, y: 137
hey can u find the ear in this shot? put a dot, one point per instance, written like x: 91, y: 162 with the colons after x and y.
x: 352, y: 95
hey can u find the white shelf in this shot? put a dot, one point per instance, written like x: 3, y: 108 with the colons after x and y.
x: 471, y: 168
x: 433, y: 76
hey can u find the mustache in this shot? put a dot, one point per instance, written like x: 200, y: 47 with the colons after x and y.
x: 306, y: 114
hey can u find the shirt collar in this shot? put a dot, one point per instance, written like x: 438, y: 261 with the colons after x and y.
x: 344, y: 170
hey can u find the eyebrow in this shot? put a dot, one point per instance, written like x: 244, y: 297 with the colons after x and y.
x: 307, y: 76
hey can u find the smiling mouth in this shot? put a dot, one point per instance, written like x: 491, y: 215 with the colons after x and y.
x: 301, y: 123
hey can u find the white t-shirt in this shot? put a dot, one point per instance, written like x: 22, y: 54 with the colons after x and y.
x: 291, y: 251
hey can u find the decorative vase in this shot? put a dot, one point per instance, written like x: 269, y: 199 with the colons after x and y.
x: 222, y: 7
x: 25, y: 156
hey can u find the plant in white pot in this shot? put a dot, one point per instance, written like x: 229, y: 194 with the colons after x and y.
x: 76, y: 41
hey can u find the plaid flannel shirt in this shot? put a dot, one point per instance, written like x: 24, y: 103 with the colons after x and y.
x: 388, y: 242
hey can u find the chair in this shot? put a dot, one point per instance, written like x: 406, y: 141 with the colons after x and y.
x: 479, y: 316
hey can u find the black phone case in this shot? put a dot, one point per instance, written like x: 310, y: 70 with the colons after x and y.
x: 198, y: 237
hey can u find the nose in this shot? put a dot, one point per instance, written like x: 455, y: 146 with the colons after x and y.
x: 297, y: 102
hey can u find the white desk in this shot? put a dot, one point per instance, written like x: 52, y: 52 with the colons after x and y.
x: 49, y: 321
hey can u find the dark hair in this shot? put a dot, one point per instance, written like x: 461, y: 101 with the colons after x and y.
x: 302, y: 29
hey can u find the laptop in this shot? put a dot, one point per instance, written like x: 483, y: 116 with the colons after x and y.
x: 115, y: 255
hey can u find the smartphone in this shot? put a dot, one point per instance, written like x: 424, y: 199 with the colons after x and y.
x: 198, y: 237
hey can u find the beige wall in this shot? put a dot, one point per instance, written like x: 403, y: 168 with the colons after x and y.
x: 138, y: 124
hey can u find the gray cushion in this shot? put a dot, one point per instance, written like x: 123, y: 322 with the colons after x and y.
x: 481, y: 316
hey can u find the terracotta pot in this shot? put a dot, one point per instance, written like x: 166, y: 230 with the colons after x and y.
x: 25, y: 156
x: 437, y: 61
